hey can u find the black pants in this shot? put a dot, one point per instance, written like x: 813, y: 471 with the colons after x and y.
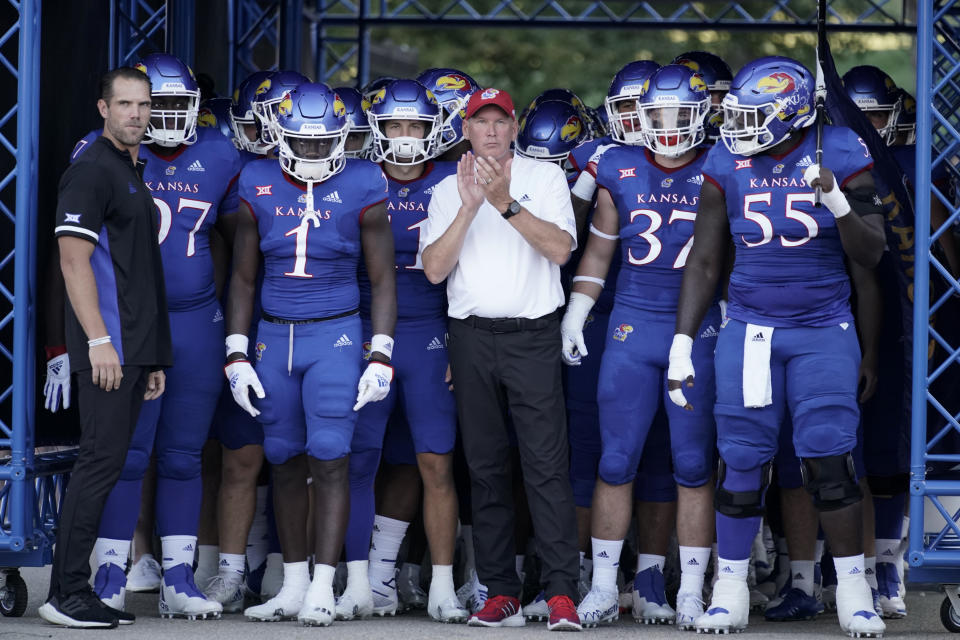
x: 107, y: 420
x: 518, y: 370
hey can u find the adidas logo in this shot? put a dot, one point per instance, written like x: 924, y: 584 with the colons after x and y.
x: 523, y: 198
x: 224, y: 563
x: 110, y: 552
x: 697, y: 179
x: 693, y: 563
x: 429, y: 190
x: 709, y: 332
x: 189, y: 547
x: 56, y: 368
x: 333, y: 197
x: 196, y: 166
x: 602, y: 554
x: 758, y: 338
x: 343, y: 341
x: 218, y: 316
x: 805, y: 161
x: 798, y: 576
x: 435, y: 344
x: 868, y: 571
x: 726, y: 569
x: 888, y: 552
x: 854, y: 572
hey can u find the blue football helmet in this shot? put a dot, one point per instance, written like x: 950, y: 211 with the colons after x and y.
x: 621, y: 102
x: 603, y: 120
x: 215, y: 113
x: 550, y: 132
x: 907, y: 120
x: 452, y: 88
x: 716, y: 73
x: 673, y: 103
x: 369, y: 89
x: 561, y: 94
x: 176, y: 100
x: 875, y: 93
x: 265, y: 102
x: 404, y: 100
x: 242, y: 120
x: 311, y: 129
x: 769, y: 99
x: 360, y: 139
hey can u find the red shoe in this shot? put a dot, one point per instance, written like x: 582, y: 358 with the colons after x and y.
x: 500, y: 611
x: 563, y: 614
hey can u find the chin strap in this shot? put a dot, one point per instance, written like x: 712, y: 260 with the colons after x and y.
x: 309, y: 213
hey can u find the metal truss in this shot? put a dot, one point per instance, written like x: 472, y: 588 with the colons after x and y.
x: 934, y: 555
x: 137, y: 28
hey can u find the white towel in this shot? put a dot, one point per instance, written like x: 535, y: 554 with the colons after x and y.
x: 757, y: 384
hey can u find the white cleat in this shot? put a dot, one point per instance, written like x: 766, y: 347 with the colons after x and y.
x: 285, y: 605
x: 229, y: 593
x: 144, y: 575
x: 855, y: 610
x: 599, y: 607
x: 180, y: 598
x: 385, y: 599
x: 650, y: 599
x: 319, y: 606
x: 471, y: 594
x: 354, y: 604
x: 448, y: 610
x: 689, y: 608
x: 272, y: 577
x: 537, y: 610
x: 729, y: 609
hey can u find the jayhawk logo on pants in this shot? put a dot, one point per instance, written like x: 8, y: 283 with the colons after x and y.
x: 620, y: 333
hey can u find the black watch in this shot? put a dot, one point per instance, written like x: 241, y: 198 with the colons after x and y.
x: 512, y: 209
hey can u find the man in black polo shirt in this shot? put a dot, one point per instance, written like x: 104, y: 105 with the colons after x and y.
x: 118, y: 334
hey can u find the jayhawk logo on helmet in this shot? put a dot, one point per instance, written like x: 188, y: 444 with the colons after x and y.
x: 263, y: 87
x: 206, y: 118
x: 778, y: 82
x: 142, y: 68
x: 432, y: 99
x: 571, y: 129
x: 690, y: 64
x: 285, y: 108
x: 889, y: 83
x: 339, y: 109
x: 697, y: 83
x: 236, y: 95
x: 364, y: 104
x: 645, y: 86
x: 379, y: 96
x: 452, y: 82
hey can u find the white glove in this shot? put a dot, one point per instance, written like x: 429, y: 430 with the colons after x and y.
x: 680, y: 368
x: 834, y: 200
x: 57, y: 386
x: 571, y: 328
x: 374, y: 384
x: 242, y: 377
x: 723, y: 310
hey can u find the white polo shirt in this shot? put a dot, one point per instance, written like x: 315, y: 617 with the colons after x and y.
x: 499, y: 274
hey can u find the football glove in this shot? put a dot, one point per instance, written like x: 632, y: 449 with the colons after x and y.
x: 680, y: 368
x: 573, y: 346
x: 242, y: 377
x: 56, y: 389
x: 374, y: 384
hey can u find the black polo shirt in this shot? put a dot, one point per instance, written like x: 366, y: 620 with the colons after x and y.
x: 103, y: 199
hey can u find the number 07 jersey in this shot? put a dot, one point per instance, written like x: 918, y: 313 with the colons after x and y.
x: 310, y: 262
x: 656, y: 207
x: 789, y: 269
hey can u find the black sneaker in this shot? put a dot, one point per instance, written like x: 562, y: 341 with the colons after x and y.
x: 80, y: 610
x: 123, y: 617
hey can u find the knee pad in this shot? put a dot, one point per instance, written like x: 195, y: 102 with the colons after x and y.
x: 741, y: 503
x: 832, y: 481
x: 692, y: 469
x: 135, y: 466
x: 328, y: 442
x: 178, y: 464
x: 278, y: 450
x: 615, y: 468
x: 882, y: 486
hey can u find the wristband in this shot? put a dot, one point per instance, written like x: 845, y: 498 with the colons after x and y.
x: 237, y: 343
x: 57, y: 350
x: 383, y: 343
x: 599, y: 281
x: 606, y: 236
x: 681, y: 347
x: 585, y: 186
x: 96, y: 342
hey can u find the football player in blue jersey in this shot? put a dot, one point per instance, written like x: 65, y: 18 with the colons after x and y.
x: 215, y: 112
x: 405, y: 120
x: 310, y: 217
x: 452, y: 89
x: 789, y: 343
x: 655, y: 239
x: 246, y: 130
x: 550, y: 132
x: 716, y: 73
x: 359, y: 139
x: 191, y: 174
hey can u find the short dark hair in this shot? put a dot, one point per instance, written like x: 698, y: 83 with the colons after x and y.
x: 129, y: 73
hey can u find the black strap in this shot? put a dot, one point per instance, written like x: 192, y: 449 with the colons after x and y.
x: 275, y: 320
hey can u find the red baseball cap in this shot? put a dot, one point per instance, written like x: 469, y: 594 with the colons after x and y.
x: 485, y: 97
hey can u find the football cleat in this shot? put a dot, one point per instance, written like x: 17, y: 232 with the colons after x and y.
x: 409, y: 593
x: 319, y: 606
x: 110, y: 585
x: 472, y: 594
x: 180, y: 598
x: 758, y: 600
x: 448, y: 610
x: 689, y: 608
x: 354, y: 604
x: 144, y: 575
x: 858, y: 619
x: 537, y: 610
x: 729, y: 608
x: 385, y: 599
x: 891, y: 602
x: 795, y: 605
x: 229, y: 593
x: 599, y: 607
x: 650, y: 599
x: 285, y: 605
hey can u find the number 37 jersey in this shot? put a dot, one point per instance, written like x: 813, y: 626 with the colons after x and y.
x: 310, y: 262
x: 789, y: 269
x: 657, y: 207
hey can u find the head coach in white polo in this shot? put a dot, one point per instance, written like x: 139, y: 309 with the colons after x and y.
x: 498, y: 231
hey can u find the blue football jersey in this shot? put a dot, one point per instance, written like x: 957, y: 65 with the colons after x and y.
x: 577, y: 159
x: 657, y: 207
x: 191, y: 186
x: 789, y: 269
x: 407, y: 207
x: 310, y: 271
